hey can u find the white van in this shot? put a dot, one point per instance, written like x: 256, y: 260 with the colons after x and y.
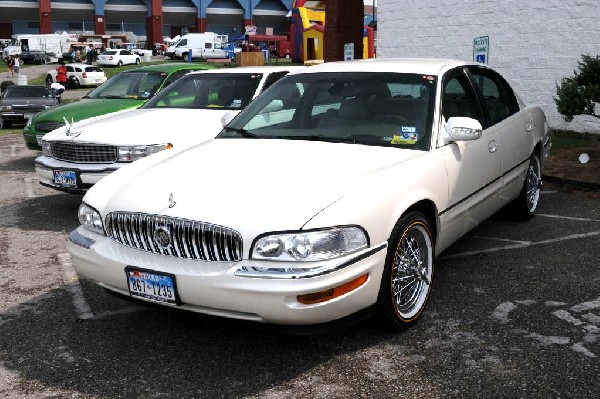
x: 199, y: 45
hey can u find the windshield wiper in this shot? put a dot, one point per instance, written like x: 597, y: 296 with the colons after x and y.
x: 242, y: 132
x: 318, y: 137
x: 111, y: 97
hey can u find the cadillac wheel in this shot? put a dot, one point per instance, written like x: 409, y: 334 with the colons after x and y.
x: 526, y: 203
x: 408, y: 274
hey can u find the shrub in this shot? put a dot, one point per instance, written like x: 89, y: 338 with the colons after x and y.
x: 578, y: 95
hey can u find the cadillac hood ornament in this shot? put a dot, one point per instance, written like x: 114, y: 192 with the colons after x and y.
x: 69, y: 126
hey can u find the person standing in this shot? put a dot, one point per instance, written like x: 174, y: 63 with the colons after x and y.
x: 61, y: 73
x: 16, y: 64
x: 10, y: 63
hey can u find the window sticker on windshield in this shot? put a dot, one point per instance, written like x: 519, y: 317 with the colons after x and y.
x: 237, y: 103
x: 407, y: 135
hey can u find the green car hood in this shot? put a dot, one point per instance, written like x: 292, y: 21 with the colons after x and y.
x: 85, y: 108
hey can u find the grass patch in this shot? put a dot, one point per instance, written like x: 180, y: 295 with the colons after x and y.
x: 566, y: 139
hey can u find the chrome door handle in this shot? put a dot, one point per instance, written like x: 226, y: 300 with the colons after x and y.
x: 492, y: 146
x: 529, y: 126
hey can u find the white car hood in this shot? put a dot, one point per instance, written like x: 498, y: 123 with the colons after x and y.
x: 263, y: 184
x: 180, y: 127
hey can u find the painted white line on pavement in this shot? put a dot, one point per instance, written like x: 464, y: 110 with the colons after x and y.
x: 82, y: 309
x: 567, y: 217
x: 523, y: 245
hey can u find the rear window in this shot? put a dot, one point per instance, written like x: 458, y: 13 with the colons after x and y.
x: 93, y: 69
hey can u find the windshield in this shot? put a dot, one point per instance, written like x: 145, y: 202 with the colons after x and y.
x: 27, y: 92
x: 382, y: 109
x: 130, y: 85
x: 208, y: 91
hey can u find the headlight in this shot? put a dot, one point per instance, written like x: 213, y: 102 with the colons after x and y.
x: 46, y: 148
x: 306, y: 246
x: 90, y: 218
x: 28, y: 124
x: 133, y: 153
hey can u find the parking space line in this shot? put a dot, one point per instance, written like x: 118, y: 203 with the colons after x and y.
x: 520, y: 244
x: 567, y: 217
x: 83, y: 311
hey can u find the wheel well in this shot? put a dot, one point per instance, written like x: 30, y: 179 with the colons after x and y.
x: 427, y: 208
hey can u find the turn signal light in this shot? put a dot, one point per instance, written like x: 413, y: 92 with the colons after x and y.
x: 332, y: 293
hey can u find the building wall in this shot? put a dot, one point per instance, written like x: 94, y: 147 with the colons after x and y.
x: 533, y: 43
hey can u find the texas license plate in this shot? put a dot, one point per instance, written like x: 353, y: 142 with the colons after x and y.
x: 151, y: 285
x: 65, y: 178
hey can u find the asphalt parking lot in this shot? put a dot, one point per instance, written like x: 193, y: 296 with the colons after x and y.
x: 514, y: 312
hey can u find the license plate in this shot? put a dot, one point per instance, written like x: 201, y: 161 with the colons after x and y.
x: 151, y: 285
x: 65, y: 178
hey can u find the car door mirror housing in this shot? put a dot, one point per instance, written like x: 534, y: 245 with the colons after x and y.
x: 460, y: 128
x: 228, y: 117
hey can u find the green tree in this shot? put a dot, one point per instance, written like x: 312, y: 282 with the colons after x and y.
x: 578, y: 95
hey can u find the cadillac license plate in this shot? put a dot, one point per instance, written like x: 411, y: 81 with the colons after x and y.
x: 65, y: 178
x: 151, y: 285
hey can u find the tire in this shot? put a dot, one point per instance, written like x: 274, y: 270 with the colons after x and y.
x: 49, y: 80
x: 185, y: 57
x: 525, y: 205
x: 137, y: 61
x: 75, y: 83
x: 4, y: 124
x: 120, y: 63
x: 408, y: 274
x: 288, y: 56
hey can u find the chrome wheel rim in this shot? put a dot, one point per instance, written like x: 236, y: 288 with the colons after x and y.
x: 412, y: 271
x: 533, y: 184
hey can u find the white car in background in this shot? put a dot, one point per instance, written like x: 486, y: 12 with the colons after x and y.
x: 80, y: 75
x: 327, y: 197
x: 185, y: 113
x: 118, y: 57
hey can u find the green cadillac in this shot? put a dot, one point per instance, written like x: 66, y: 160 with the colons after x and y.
x: 127, y: 90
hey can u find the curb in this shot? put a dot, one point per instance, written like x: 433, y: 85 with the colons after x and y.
x: 580, y: 185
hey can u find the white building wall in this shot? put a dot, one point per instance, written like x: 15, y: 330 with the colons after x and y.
x: 533, y: 43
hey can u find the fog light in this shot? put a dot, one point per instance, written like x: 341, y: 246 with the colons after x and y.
x: 332, y: 293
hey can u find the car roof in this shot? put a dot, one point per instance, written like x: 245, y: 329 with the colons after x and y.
x: 427, y: 66
x: 168, y: 67
x: 253, y: 69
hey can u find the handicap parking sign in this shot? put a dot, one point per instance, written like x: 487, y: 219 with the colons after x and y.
x: 481, y: 47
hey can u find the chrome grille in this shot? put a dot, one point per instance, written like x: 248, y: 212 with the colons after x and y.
x: 48, y: 126
x: 188, y: 239
x: 85, y: 153
x: 28, y: 108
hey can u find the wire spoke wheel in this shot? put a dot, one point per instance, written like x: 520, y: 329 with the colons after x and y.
x: 408, y: 274
x: 533, y: 184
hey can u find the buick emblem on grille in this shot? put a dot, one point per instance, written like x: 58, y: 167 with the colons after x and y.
x: 162, y: 236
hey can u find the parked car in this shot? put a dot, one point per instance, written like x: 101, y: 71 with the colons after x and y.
x: 35, y: 57
x: 80, y: 74
x: 187, y: 112
x: 19, y: 103
x: 126, y: 90
x: 328, y: 197
x: 117, y: 57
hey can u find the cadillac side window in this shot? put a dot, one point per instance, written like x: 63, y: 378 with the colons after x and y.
x: 457, y: 99
x: 498, y: 98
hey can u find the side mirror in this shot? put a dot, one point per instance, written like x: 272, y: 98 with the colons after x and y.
x: 228, y: 117
x: 460, y: 128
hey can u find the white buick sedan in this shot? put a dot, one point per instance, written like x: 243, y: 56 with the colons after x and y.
x: 185, y: 113
x: 328, y: 197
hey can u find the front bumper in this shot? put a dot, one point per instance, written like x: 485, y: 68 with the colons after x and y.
x: 213, y: 288
x: 15, y: 117
x: 86, y: 174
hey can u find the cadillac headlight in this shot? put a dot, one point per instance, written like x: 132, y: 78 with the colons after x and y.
x: 133, y: 153
x: 46, y: 148
x: 306, y: 246
x: 90, y: 218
